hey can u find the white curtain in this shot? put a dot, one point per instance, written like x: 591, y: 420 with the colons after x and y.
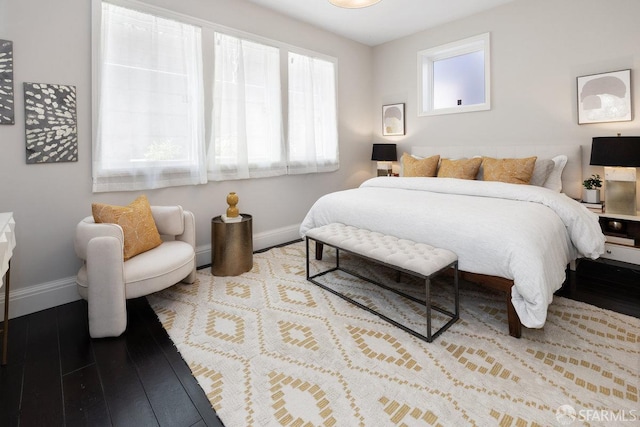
x: 246, y: 136
x: 150, y: 118
x: 313, y: 127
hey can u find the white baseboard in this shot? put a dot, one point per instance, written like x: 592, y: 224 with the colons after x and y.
x: 41, y: 297
x: 260, y: 241
x: 51, y: 294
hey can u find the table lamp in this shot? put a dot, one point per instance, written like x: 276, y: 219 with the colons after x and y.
x: 620, y: 156
x: 384, y: 154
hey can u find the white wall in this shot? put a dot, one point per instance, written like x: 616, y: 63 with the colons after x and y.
x: 538, y: 48
x: 52, y: 44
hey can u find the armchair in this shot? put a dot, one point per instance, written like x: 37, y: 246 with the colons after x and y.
x: 106, y: 280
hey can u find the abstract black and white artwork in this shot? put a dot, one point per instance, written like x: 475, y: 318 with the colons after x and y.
x: 50, y: 123
x: 604, y: 97
x: 6, y: 83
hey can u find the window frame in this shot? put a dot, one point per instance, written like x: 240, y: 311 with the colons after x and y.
x: 425, y: 61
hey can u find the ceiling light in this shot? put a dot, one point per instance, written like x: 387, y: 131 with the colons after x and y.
x: 353, y: 4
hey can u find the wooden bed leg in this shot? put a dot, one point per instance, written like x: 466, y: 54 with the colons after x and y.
x: 503, y: 286
x: 515, y: 327
x: 319, y: 247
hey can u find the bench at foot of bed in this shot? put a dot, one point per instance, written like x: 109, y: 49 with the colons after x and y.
x: 417, y: 259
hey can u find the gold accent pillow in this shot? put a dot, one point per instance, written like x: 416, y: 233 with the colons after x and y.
x: 419, y: 167
x: 140, y: 231
x: 514, y: 171
x: 460, y: 168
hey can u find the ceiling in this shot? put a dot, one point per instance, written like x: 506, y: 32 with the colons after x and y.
x: 382, y: 22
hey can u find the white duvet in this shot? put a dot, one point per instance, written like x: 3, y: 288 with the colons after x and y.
x: 521, y: 232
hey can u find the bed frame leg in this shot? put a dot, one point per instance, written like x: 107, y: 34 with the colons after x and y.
x: 515, y: 327
x: 319, y: 247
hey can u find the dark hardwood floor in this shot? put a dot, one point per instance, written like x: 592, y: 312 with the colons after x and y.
x: 57, y: 375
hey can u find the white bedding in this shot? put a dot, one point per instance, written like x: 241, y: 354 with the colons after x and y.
x: 525, y: 233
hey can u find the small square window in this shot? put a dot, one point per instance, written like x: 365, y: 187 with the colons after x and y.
x: 454, y: 78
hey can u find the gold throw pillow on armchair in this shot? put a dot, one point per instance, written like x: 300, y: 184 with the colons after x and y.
x: 136, y: 220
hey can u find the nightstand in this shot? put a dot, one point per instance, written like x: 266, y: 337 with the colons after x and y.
x: 622, y: 233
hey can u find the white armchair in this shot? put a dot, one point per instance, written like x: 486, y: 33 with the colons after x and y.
x: 106, y: 281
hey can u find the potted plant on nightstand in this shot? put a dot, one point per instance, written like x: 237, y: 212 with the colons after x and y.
x: 591, y: 192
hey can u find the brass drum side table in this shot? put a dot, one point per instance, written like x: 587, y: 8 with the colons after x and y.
x: 232, y: 246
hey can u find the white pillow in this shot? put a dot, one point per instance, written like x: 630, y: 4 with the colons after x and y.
x: 554, y: 181
x: 541, y: 171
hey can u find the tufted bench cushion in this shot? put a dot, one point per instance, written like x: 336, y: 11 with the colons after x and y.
x: 405, y: 254
x: 418, y: 259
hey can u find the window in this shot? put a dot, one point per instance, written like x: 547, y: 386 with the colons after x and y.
x: 313, y: 129
x: 154, y: 71
x: 247, y: 139
x: 149, y: 128
x: 455, y: 78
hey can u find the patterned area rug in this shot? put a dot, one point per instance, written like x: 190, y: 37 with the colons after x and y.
x: 271, y: 349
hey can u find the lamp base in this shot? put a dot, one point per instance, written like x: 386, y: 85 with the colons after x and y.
x: 620, y: 190
x: 384, y: 168
x: 620, y: 197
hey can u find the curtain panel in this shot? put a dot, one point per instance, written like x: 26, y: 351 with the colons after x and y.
x: 313, y: 122
x: 246, y: 135
x: 150, y: 121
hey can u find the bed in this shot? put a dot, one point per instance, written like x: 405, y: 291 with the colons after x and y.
x: 514, y: 238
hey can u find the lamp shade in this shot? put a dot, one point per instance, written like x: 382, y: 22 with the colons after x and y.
x: 384, y: 153
x: 620, y: 151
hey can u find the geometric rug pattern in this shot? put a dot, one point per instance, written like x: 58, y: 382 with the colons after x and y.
x: 270, y: 348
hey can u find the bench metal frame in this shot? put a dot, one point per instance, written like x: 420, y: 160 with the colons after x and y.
x: 429, y: 337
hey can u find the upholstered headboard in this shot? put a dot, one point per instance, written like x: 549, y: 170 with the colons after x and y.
x: 571, y: 175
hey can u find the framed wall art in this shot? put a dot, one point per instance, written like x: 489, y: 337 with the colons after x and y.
x: 6, y: 83
x: 50, y: 123
x: 604, y: 97
x: 393, y: 120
